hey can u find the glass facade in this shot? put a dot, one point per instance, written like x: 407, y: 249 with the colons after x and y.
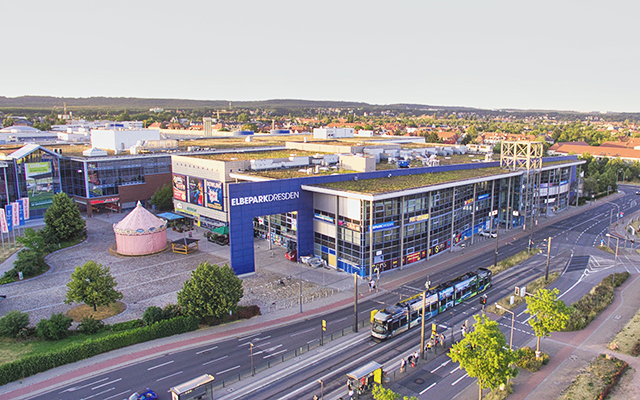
x: 283, y: 228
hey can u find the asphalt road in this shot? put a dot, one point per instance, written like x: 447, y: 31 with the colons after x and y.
x: 572, y: 241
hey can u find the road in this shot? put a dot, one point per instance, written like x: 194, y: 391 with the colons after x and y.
x: 573, y: 252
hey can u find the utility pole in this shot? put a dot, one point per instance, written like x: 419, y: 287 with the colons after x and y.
x: 424, y: 353
x: 546, y: 275
x: 355, y: 302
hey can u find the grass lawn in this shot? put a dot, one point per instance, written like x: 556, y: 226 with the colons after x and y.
x: 11, y: 350
x: 532, y: 287
x: 83, y: 310
x: 602, y: 374
x: 628, y: 339
x: 513, y: 261
x: 8, y: 251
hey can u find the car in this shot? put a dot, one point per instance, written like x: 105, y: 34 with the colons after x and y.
x: 291, y: 255
x: 148, y: 395
x: 489, y: 234
x: 637, y: 191
x: 312, y: 261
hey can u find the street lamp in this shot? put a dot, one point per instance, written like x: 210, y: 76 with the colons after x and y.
x: 251, y: 350
x: 513, y: 319
x: 321, y: 389
x: 546, y: 275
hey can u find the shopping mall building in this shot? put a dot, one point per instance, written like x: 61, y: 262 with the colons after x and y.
x: 343, y: 208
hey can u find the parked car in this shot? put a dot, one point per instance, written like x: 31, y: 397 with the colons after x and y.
x: 291, y: 255
x: 637, y: 191
x: 312, y: 261
x: 148, y: 395
x: 489, y: 234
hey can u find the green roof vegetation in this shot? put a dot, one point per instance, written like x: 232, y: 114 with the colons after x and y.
x: 257, y: 155
x: 293, y: 173
x: 238, y: 141
x: 397, y: 183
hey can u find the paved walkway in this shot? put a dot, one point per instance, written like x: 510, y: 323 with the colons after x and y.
x: 276, y: 317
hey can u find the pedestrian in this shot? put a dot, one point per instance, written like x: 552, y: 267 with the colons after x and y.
x: 442, y: 337
x: 428, y: 347
x: 315, y: 397
x: 416, y: 355
x: 351, y: 394
x: 463, y: 331
x: 410, y: 358
x: 403, y: 365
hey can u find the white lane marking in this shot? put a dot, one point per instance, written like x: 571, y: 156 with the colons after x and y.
x: 432, y: 385
x: 270, y: 349
x: 341, y: 319
x: 160, y: 365
x: 217, y: 359
x: 73, y: 389
x: 227, y: 370
x: 311, y: 341
x: 457, y: 368
x: 248, y: 337
x: 263, y: 338
x: 205, y: 350
x: 117, y: 395
x: 444, y: 364
x: 169, y: 376
x: 275, y: 354
x: 301, y: 332
x: 99, y: 394
x: 244, y: 344
x: 105, y: 384
x: 459, y: 379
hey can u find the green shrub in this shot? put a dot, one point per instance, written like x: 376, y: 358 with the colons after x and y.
x: 585, y: 310
x: 152, y: 315
x: 526, y: 358
x: 55, y: 328
x: 26, y: 333
x: 248, y: 312
x: 125, y: 326
x: 31, y: 365
x: 13, y: 322
x: 171, y: 311
x: 7, y: 278
x: 90, y: 325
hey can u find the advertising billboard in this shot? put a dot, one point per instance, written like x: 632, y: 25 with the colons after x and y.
x: 196, y: 195
x: 39, y: 178
x: 215, y: 195
x: 179, y: 187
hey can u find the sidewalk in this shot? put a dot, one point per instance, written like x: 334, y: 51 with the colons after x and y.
x: 390, y: 280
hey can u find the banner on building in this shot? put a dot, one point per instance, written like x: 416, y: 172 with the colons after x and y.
x: 179, y: 187
x: 39, y: 178
x: 20, y: 211
x: 4, y: 228
x: 215, y: 195
x: 196, y: 192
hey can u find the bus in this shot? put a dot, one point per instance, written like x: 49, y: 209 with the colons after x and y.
x: 401, y: 316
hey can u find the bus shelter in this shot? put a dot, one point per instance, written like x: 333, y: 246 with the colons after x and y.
x: 362, y: 379
x: 200, y: 388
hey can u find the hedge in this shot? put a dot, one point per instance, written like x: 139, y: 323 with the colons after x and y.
x: 32, y: 365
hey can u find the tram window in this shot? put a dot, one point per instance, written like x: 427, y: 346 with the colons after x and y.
x: 403, y: 320
x: 395, y: 325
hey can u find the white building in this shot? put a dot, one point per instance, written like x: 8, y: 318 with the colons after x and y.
x: 332, y: 133
x: 121, y: 139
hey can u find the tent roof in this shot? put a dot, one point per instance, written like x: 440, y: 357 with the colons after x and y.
x: 139, y: 222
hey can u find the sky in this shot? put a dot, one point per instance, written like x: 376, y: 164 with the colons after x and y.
x: 553, y: 55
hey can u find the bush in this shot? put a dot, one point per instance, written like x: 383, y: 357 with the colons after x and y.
x: 248, y: 312
x: 31, y: 365
x: 152, y: 315
x: 125, y: 326
x: 90, y: 325
x: 585, y: 310
x: 13, y: 322
x: 26, y: 333
x: 171, y: 311
x: 55, y: 328
x: 526, y: 358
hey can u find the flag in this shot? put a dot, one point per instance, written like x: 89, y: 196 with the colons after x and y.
x: 25, y: 202
x: 4, y: 228
x: 8, y: 208
x: 15, y: 214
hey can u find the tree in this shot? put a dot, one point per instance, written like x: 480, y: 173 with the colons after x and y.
x: 484, y: 354
x: 212, y: 291
x: 63, y: 218
x: 380, y: 393
x: 13, y: 322
x: 548, y: 314
x: 93, y: 285
x: 163, y: 198
x: 250, y: 127
x: 8, y: 122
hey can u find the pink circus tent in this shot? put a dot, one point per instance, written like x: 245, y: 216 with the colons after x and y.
x: 140, y: 233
